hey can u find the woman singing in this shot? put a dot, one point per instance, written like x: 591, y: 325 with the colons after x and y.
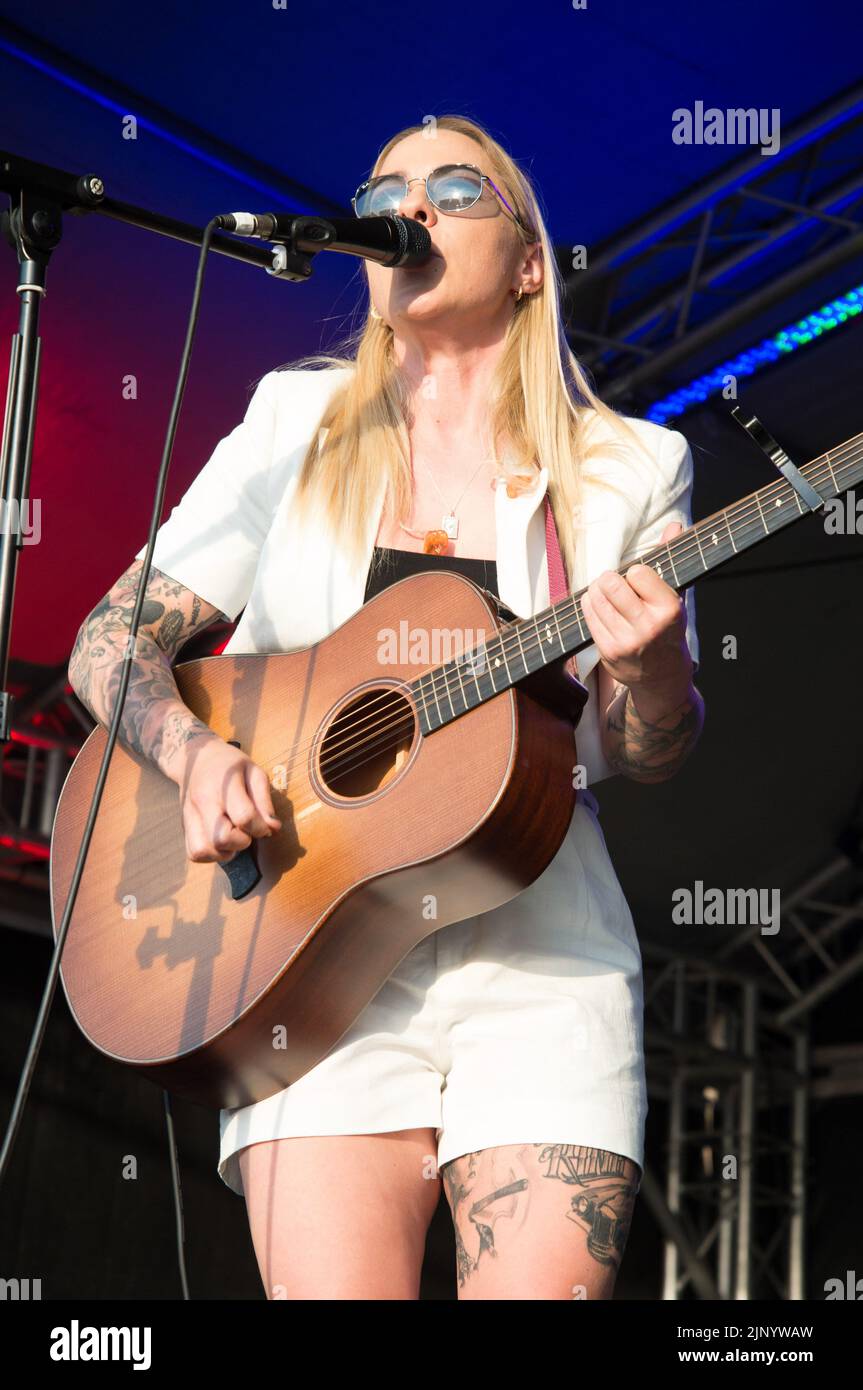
x: 503, y: 1059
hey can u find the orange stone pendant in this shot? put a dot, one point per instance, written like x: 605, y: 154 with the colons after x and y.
x: 435, y: 542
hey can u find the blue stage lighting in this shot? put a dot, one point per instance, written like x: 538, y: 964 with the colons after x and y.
x: 787, y: 340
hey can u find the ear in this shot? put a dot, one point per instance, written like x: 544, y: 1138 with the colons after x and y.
x: 533, y: 268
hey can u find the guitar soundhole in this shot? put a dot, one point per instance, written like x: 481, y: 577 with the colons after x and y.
x: 367, y: 743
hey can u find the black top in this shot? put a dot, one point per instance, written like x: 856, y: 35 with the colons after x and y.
x: 398, y: 564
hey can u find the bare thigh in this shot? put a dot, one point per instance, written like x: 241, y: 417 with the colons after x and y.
x: 540, y: 1221
x: 341, y: 1216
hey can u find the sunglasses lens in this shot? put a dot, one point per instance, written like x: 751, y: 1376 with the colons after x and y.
x: 381, y: 197
x: 455, y: 187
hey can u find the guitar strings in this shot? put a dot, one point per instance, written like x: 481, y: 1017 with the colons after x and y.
x: 500, y: 632
x: 388, y: 701
x: 401, y: 699
x: 515, y: 648
x: 392, y: 699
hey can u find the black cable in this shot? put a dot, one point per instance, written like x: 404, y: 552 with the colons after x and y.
x: 36, y: 1040
x: 178, y: 1196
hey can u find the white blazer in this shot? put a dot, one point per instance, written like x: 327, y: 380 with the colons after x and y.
x: 234, y: 540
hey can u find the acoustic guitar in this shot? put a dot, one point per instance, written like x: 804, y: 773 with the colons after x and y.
x: 416, y: 786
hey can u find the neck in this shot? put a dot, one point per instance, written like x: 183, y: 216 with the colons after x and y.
x: 449, y: 386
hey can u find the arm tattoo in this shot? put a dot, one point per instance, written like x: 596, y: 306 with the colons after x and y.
x: 155, y: 721
x: 651, y: 750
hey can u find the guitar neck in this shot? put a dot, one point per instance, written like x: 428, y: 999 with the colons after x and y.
x: 524, y: 646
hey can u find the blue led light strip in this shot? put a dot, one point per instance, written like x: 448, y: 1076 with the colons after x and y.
x: 787, y: 340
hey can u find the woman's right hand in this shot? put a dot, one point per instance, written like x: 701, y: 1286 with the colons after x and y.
x: 225, y: 799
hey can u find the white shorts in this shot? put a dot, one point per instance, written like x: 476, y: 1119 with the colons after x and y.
x: 520, y: 1025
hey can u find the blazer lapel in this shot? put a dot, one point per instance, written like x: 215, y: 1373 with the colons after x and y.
x: 522, y: 565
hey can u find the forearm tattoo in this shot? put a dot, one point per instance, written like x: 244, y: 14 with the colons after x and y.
x: 495, y: 1192
x: 155, y: 721
x: 651, y: 750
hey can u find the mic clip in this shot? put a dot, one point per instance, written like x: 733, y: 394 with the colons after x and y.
x: 290, y: 265
x: 288, y: 262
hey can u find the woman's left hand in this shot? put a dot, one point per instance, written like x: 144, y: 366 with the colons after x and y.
x: 638, y: 623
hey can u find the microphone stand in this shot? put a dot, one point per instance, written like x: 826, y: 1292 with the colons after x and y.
x: 39, y: 195
x: 33, y: 227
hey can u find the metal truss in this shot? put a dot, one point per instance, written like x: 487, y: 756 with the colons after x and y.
x: 732, y: 1210
x: 728, y: 1048
x: 697, y: 272
x: 817, y: 949
x: 48, y: 728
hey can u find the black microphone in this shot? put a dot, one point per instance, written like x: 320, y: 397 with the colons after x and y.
x: 390, y: 241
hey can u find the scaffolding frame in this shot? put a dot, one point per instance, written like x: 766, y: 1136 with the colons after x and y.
x: 728, y: 1047
x: 707, y: 264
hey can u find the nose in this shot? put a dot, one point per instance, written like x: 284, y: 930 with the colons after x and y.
x: 416, y: 204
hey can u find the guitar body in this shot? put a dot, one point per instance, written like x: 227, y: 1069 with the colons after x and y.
x: 226, y: 1001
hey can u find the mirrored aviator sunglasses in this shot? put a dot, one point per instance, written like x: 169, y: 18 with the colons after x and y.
x: 451, y: 188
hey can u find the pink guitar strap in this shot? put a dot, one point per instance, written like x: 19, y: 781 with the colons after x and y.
x: 558, y: 585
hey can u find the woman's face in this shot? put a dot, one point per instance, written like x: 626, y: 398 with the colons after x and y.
x: 478, y: 257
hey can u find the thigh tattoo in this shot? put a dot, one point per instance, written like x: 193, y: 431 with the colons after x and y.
x: 493, y: 1186
x: 603, y: 1200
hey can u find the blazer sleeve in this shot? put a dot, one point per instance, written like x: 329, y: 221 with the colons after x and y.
x: 670, y: 500
x: 213, y: 538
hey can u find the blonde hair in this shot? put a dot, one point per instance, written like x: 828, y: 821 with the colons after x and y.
x: 542, y: 403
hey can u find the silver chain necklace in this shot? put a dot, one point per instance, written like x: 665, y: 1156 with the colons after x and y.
x: 435, y: 541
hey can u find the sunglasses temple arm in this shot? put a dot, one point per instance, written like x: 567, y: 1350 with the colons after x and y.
x: 503, y: 200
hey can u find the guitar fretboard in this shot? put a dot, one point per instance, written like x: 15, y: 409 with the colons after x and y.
x: 524, y: 646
